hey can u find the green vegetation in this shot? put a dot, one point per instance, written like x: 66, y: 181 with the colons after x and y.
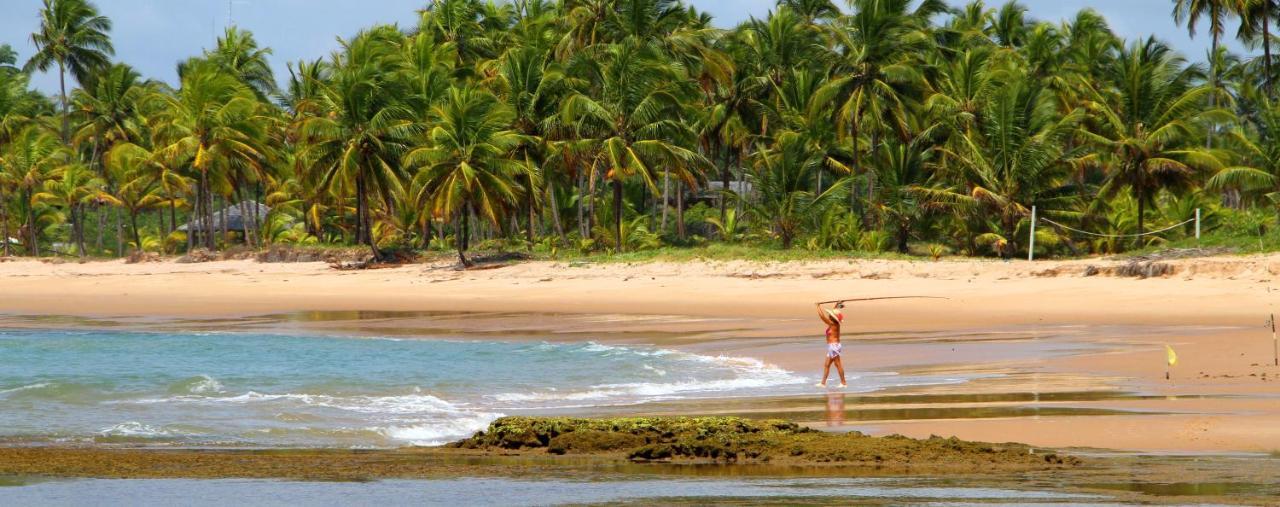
x: 635, y: 129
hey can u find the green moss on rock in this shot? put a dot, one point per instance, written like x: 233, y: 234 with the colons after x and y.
x: 732, y: 439
x: 593, y: 441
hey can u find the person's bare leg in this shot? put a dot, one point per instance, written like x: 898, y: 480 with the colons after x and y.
x: 840, y: 370
x: 826, y: 372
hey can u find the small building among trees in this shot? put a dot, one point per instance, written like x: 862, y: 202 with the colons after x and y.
x: 244, y: 218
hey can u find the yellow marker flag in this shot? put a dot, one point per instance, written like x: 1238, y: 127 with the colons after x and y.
x: 1173, y: 356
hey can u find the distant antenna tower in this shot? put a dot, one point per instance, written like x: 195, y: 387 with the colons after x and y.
x: 231, y: 16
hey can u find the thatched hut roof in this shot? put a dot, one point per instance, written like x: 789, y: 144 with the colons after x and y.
x: 235, y: 217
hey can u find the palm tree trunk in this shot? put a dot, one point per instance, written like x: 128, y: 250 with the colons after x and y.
x: 741, y: 200
x: 617, y: 213
x: 119, y: 233
x: 191, y: 222
x: 4, y: 223
x: 102, y: 225
x: 853, y: 173
x: 680, y: 232
x: 194, y: 239
x: 591, y: 200
x: 164, y: 226
x: 66, y: 107
x: 725, y: 175
x: 222, y: 217
x: 137, y: 236
x: 424, y: 242
x: 1213, y: 96
x: 77, y: 229
x: 1266, y: 47
x: 1009, y: 221
x: 257, y: 219
x: 871, y: 218
x: 34, y: 246
x: 463, y: 231
x: 650, y: 202
x: 666, y: 199
x: 582, y: 205
x: 246, y: 221
x: 533, y: 213
x: 247, y: 218
x: 555, y: 209
x: 1142, y: 215
x: 206, y: 215
x: 362, y: 216
x: 904, y: 236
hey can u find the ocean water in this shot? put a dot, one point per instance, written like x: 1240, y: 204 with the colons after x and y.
x: 240, y: 389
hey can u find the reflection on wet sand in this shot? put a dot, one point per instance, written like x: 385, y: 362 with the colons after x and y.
x: 835, y: 409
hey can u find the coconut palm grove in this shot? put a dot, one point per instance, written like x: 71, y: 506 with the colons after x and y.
x: 608, y: 126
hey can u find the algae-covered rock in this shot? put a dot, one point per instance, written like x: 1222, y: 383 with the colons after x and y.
x: 591, y: 441
x: 732, y: 439
x: 699, y: 435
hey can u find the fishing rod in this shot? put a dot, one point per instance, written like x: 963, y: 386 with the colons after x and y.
x: 880, y: 299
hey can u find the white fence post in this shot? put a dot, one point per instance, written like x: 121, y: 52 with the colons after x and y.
x: 1197, y: 225
x: 1031, y: 249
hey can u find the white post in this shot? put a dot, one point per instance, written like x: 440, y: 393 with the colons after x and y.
x: 1197, y: 225
x: 1031, y: 249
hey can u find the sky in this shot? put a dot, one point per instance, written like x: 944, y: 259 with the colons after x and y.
x: 154, y: 35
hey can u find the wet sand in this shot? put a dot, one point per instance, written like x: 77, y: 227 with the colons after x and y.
x: 1020, y: 328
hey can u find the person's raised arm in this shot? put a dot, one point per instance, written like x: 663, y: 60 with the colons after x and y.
x: 822, y: 314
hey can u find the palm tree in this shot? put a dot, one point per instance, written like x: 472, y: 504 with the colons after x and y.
x: 1216, y: 11
x: 1146, y: 119
x: 910, y: 187
x: 1190, y: 12
x: 359, y: 129
x: 783, y: 176
x: 136, y: 173
x: 72, y: 36
x: 110, y: 109
x: 457, y: 24
x: 466, y: 165
x: 1261, y: 155
x: 780, y: 43
x: 812, y: 10
x: 212, y: 125
x: 880, y: 50
x: 16, y: 102
x: 1255, y: 25
x: 109, y: 112
x: 74, y: 186
x: 1016, y: 157
x: 28, y: 160
x: 238, y: 54
x: 633, y: 118
x: 530, y: 86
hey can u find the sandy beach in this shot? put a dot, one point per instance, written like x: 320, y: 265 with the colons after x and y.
x: 1016, y: 327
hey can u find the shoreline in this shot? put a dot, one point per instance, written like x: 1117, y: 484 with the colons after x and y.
x: 1040, y: 333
